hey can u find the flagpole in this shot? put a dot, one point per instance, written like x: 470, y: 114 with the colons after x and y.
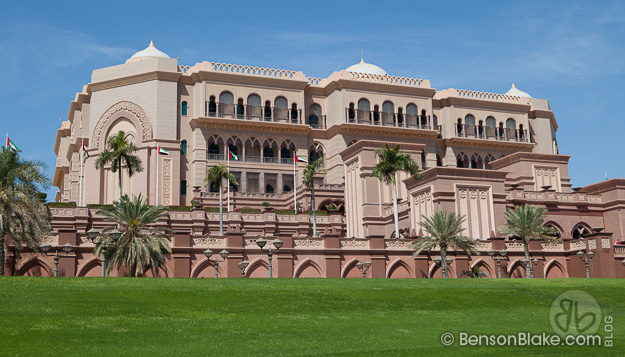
x: 294, y: 185
x: 82, y: 158
x: 157, y: 160
x: 6, y: 142
x: 228, y: 181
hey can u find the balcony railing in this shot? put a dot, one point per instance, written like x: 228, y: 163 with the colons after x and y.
x: 491, y: 133
x: 253, y: 112
x: 250, y: 158
x: 398, y: 120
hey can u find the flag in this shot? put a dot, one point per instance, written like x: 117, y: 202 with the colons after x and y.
x: 84, y: 150
x: 11, y: 145
x: 162, y: 151
x: 606, y: 176
x: 298, y: 159
x: 232, y: 156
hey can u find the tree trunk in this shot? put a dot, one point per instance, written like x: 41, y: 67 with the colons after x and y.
x: 119, y: 173
x: 2, y: 255
x: 444, y: 262
x: 528, y: 268
x: 133, y: 270
x: 395, y: 214
x: 312, y: 190
x: 221, y: 212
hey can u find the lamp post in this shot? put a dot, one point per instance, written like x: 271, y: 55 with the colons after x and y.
x: 530, y: 269
x: 363, y: 267
x: 243, y: 265
x: 444, y: 272
x: 498, y: 256
x: 261, y: 242
x: 224, y: 254
x: 67, y: 248
x: 587, y: 260
x: 93, y: 233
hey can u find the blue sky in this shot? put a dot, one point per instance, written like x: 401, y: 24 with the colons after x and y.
x: 570, y: 52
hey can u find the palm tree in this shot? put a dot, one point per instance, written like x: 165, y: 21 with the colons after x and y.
x: 526, y: 223
x: 119, y: 152
x: 445, y: 231
x: 391, y: 161
x: 141, y: 247
x: 216, y: 175
x: 24, y: 218
x: 309, y: 174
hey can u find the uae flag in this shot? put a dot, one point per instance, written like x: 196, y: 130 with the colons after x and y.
x: 162, y: 151
x: 11, y: 145
x: 298, y: 159
x: 84, y: 150
x: 232, y: 156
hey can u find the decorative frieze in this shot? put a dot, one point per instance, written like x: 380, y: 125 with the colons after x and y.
x: 209, y: 241
x: 515, y: 246
x: 353, y: 243
x: 307, y: 242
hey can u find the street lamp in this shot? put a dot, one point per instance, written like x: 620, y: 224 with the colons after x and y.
x: 528, y: 265
x: 243, y: 265
x: 587, y: 260
x: 93, y: 233
x: 498, y: 256
x: 261, y: 242
x: 67, y: 248
x: 364, y: 267
x: 448, y: 260
x: 224, y: 254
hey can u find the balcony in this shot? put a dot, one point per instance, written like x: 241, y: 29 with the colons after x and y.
x: 397, y: 120
x: 491, y: 133
x: 250, y: 158
x: 253, y: 112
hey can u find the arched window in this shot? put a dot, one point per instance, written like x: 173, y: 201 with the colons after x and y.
x: 267, y: 111
x: 469, y: 122
x: 240, y: 109
x: 213, y: 188
x: 376, y: 115
x: 284, y: 153
x: 501, y: 132
x: 435, y: 121
x: 490, y: 122
x: 462, y: 160
x: 489, y: 158
x: 226, y: 104
x: 424, y: 119
x: 400, y: 117
x: 557, y: 233
x: 511, y: 129
x: 213, y: 148
x: 314, y: 114
x: 459, y: 127
x: 267, y: 152
x: 281, y: 109
x: 183, y: 187
x: 439, y: 160
x: 459, y: 162
x: 254, y: 107
x: 580, y: 231
x: 183, y: 147
x: 294, y: 115
x: 253, y: 100
x: 286, y: 188
x: 315, y: 152
x: 491, y: 127
x: 476, y: 161
x: 412, y: 116
x: 363, y: 104
x: 233, y: 149
x: 184, y: 108
x: 424, y: 162
x: 521, y: 133
x: 281, y: 103
x: 268, y: 189
x: 226, y: 98
x: 388, y: 114
x: 212, y: 106
x: 351, y: 113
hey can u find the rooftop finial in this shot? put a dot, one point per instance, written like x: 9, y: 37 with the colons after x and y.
x: 513, y: 86
x: 151, y: 44
x: 362, y: 58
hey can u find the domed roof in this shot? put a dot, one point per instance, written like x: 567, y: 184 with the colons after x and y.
x: 364, y: 67
x: 517, y: 93
x: 150, y: 51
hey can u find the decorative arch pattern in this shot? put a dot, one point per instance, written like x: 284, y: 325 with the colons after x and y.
x: 123, y: 109
x: 308, y: 267
x: 399, y: 269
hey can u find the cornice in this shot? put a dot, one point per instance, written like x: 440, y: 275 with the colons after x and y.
x: 134, y: 79
x: 364, y: 129
x: 531, y: 157
x: 233, y: 78
x: 483, y: 104
x: 241, y: 124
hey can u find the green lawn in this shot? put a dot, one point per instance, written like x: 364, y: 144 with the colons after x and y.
x: 133, y: 317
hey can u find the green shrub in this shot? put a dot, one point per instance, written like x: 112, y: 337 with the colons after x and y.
x: 179, y: 208
x: 249, y: 210
x: 318, y: 213
x: 265, y: 204
x: 212, y: 209
x: 283, y: 211
x: 62, y: 204
x: 98, y: 206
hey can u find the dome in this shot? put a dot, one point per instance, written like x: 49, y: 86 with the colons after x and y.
x: 517, y: 93
x: 150, y: 51
x: 364, y: 67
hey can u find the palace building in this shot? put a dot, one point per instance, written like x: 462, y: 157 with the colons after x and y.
x: 479, y: 154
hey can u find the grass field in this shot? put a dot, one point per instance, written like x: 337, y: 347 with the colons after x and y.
x: 137, y: 317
